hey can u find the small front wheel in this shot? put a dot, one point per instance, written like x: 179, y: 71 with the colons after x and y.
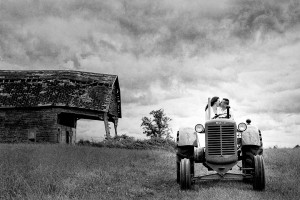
x: 185, y: 174
x: 259, y: 180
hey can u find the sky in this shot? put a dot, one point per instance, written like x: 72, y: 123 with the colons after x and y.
x: 169, y: 54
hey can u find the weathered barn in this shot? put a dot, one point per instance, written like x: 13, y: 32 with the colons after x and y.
x: 45, y: 105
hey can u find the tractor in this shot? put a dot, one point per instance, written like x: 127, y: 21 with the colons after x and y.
x: 226, y: 143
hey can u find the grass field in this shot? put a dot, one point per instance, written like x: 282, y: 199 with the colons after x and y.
x: 45, y: 171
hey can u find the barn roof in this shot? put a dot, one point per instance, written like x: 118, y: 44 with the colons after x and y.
x: 76, y: 89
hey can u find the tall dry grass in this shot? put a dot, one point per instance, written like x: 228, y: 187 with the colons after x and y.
x: 77, y: 172
x: 45, y: 171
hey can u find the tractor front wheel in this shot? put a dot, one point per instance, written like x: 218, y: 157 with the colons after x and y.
x: 259, y: 180
x: 185, y: 174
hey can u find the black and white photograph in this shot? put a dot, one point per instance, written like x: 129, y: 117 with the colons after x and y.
x: 149, y: 99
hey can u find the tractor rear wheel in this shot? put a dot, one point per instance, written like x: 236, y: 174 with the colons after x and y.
x: 178, y: 171
x: 185, y: 174
x: 259, y: 180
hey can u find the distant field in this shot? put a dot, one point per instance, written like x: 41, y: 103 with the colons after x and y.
x: 79, y: 172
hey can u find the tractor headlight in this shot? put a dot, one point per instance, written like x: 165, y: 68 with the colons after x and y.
x: 242, y: 126
x: 199, y: 128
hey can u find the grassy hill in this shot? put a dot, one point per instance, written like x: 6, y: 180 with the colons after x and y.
x: 45, y: 171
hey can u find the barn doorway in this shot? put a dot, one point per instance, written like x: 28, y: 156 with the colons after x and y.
x: 67, y: 137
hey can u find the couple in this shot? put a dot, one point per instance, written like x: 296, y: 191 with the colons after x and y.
x: 218, y: 108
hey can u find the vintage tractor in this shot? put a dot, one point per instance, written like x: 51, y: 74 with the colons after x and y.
x: 226, y: 143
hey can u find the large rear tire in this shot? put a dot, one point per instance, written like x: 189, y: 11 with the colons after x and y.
x: 259, y: 180
x: 178, y: 171
x: 185, y: 174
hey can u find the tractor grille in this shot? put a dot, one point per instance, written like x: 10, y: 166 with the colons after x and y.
x: 220, y: 140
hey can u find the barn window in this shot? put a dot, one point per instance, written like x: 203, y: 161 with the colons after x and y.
x: 32, y: 136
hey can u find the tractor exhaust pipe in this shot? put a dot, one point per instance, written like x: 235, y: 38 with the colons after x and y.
x: 208, y: 108
x: 228, y: 107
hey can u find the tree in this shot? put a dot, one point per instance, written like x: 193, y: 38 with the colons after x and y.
x: 158, y: 126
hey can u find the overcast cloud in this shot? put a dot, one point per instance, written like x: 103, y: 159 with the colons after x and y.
x: 170, y: 54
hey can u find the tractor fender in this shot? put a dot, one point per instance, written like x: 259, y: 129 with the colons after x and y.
x: 186, y: 137
x: 251, y: 136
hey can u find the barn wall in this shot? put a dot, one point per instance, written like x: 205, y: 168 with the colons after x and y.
x: 21, y: 125
x: 17, y: 125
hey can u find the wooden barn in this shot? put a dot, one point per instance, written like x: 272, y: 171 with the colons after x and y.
x: 44, y: 106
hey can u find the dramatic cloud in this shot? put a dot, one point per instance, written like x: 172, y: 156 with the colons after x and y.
x: 170, y: 54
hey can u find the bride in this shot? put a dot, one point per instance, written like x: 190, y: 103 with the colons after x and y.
x: 214, y: 103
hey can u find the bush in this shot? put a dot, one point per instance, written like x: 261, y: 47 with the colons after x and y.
x: 83, y: 142
x: 127, y: 142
